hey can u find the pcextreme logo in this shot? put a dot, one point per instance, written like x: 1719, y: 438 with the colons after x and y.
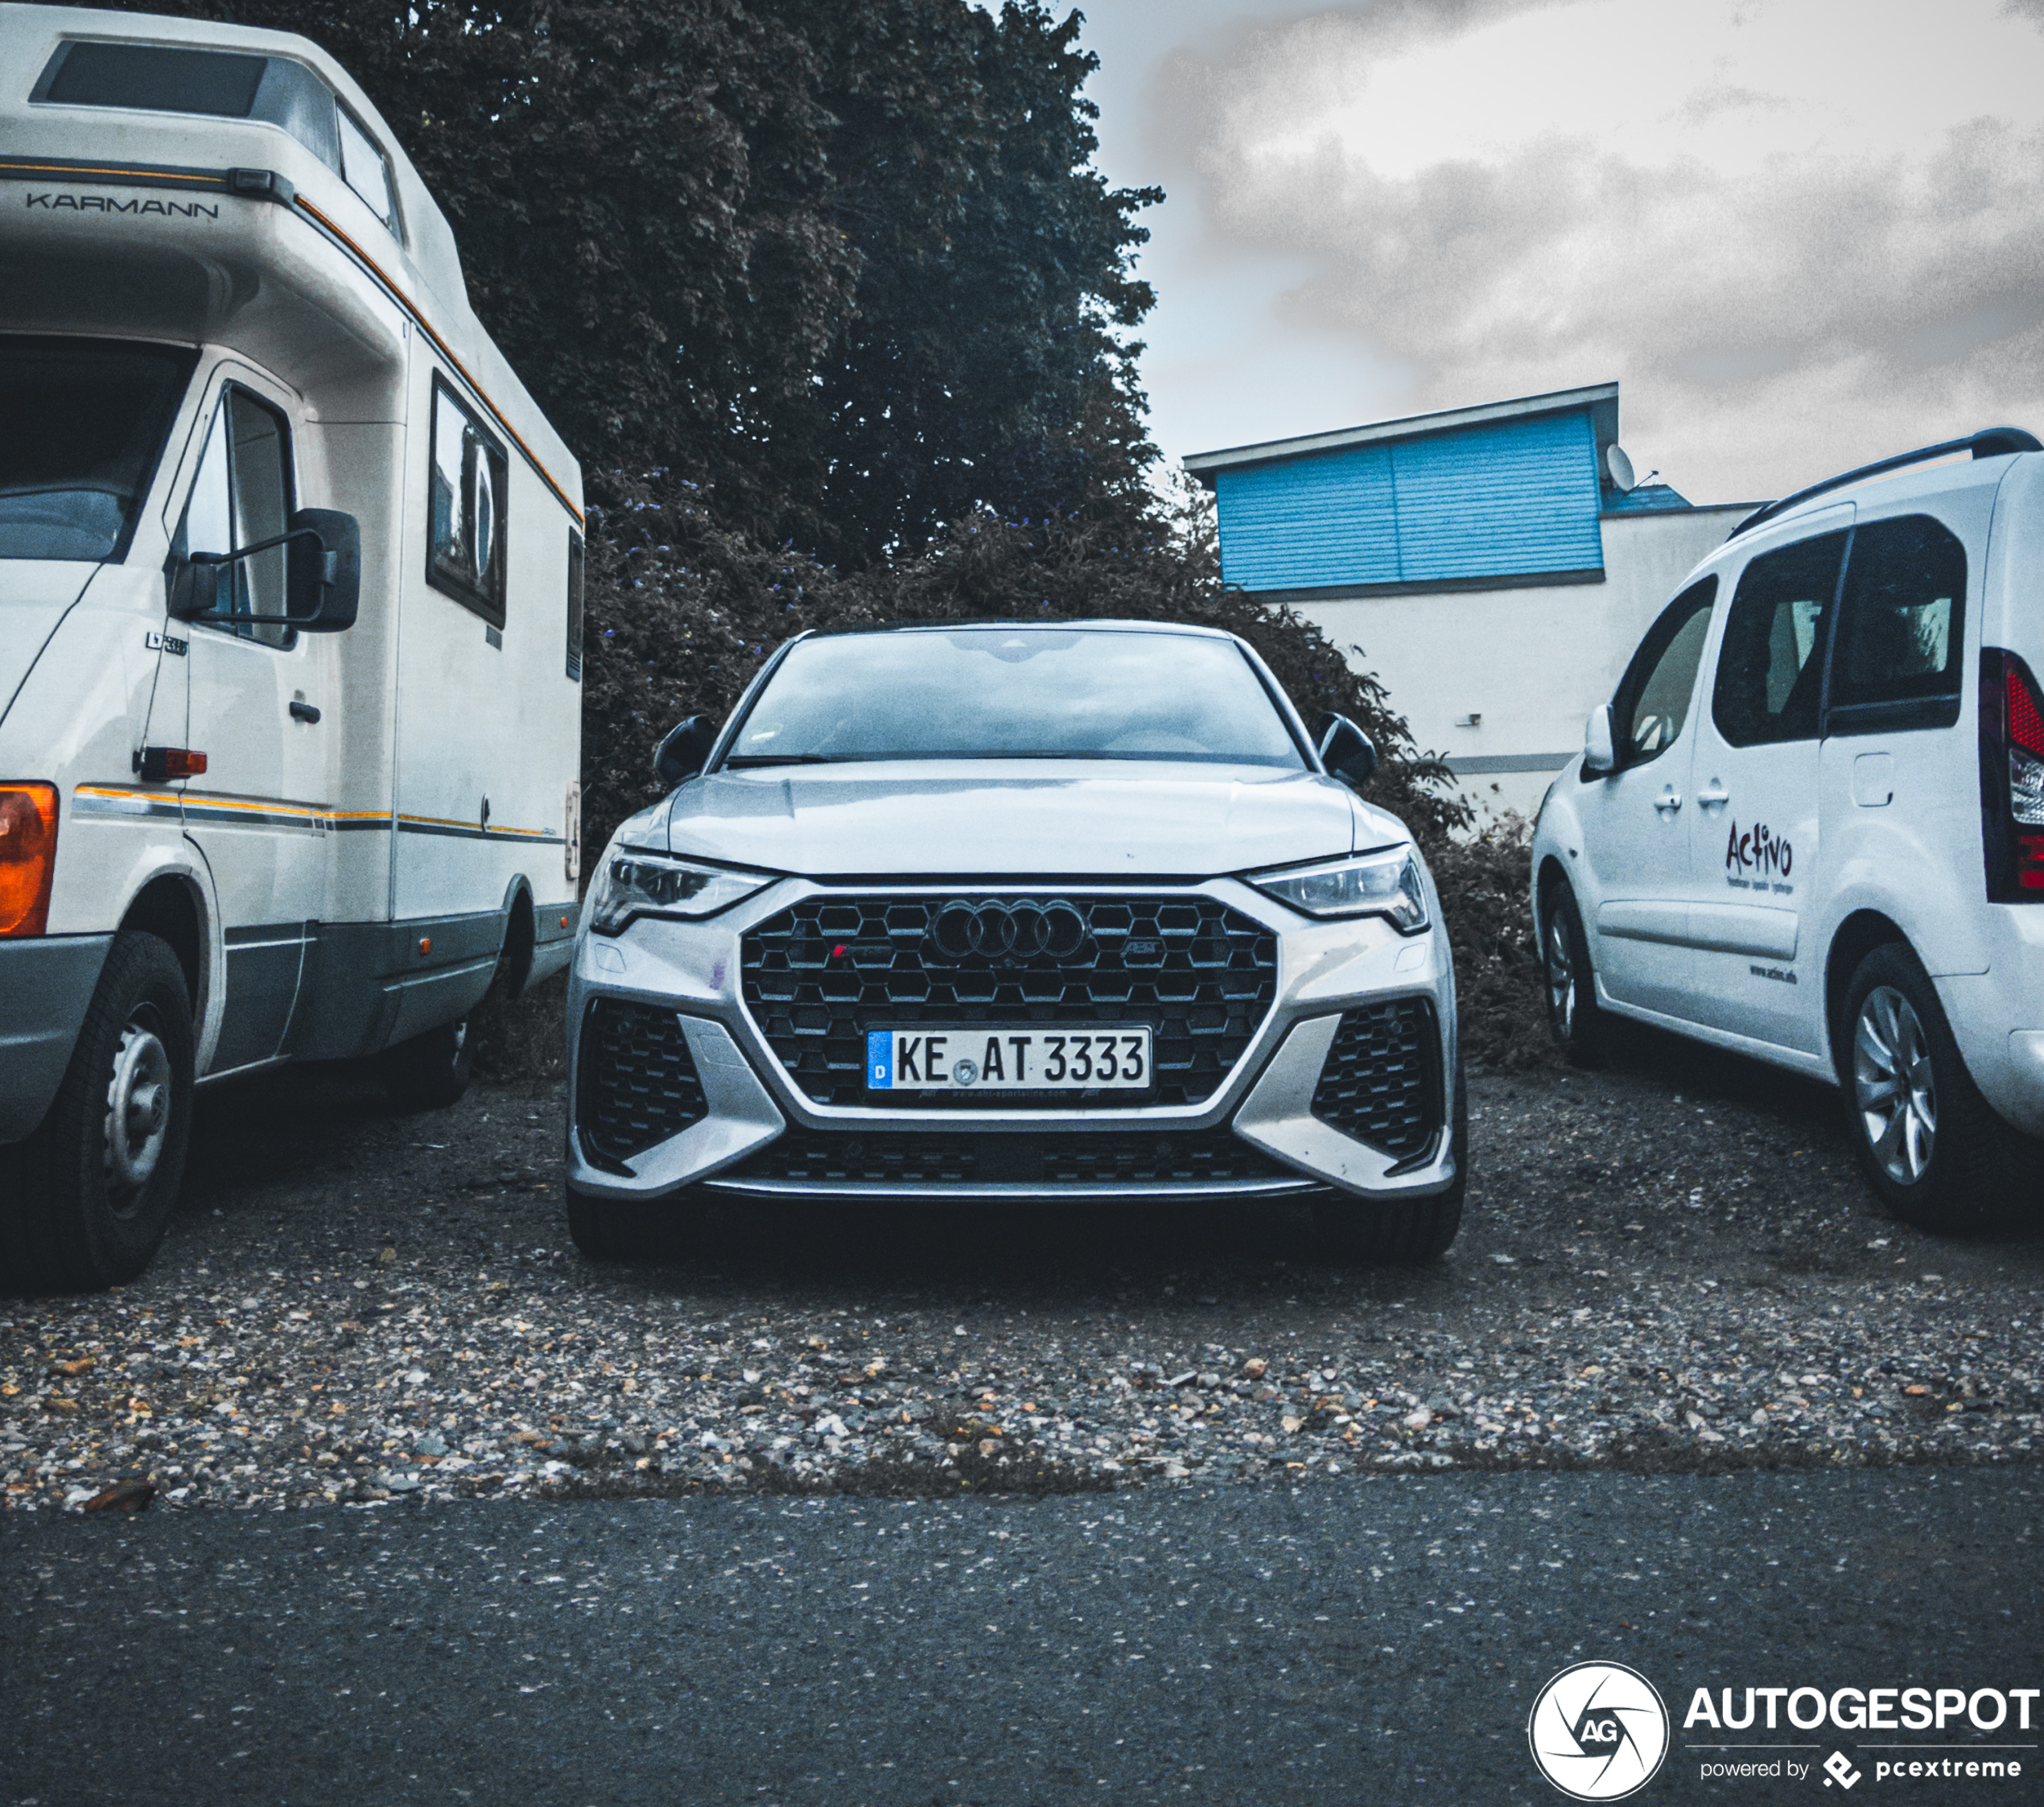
x: 1599, y: 1731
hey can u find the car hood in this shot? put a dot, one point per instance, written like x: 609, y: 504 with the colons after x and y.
x: 34, y: 593
x: 1015, y: 817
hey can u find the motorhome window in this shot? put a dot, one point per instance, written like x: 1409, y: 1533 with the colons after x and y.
x: 1653, y: 700
x: 227, y: 84
x: 1901, y: 628
x: 366, y: 168
x: 574, y: 607
x: 154, y: 76
x: 464, y: 550
x: 1771, y: 664
x: 86, y: 422
x: 242, y: 495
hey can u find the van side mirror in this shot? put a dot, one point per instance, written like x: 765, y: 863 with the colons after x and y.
x: 1600, y: 754
x: 323, y: 577
x: 323, y: 571
x: 1345, y: 750
x: 686, y: 751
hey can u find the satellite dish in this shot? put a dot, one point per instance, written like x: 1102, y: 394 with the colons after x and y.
x: 1620, y: 466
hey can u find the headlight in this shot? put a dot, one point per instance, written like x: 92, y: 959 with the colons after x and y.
x: 1386, y: 883
x: 635, y: 883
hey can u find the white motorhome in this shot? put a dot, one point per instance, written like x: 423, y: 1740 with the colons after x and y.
x: 289, y: 616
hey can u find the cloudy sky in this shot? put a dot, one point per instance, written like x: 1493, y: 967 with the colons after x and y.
x: 1802, y: 234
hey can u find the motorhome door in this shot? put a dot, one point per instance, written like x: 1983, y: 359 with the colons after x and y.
x: 259, y: 713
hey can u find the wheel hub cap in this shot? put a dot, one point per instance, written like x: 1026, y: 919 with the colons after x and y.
x: 138, y: 1108
x: 1891, y: 1085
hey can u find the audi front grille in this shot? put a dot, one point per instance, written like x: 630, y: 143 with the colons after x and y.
x: 1381, y: 1081
x: 819, y: 974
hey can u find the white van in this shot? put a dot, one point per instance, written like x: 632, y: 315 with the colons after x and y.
x: 1810, y: 825
x: 240, y: 822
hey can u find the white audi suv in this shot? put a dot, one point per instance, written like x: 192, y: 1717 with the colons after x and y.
x: 1000, y: 912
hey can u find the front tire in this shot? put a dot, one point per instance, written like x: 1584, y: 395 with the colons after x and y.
x: 431, y: 1072
x: 1579, y: 1026
x: 1931, y: 1146
x: 1351, y: 1232
x: 614, y: 1230
x: 84, y: 1201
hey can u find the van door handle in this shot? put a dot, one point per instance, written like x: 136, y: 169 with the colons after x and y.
x: 1712, y: 798
x: 1669, y: 801
x: 304, y: 711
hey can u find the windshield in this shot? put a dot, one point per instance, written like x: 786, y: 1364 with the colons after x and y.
x: 85, y: 425
x: 1014, y: 693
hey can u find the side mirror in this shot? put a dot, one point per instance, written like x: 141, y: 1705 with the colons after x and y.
x: 685, y: 751
x: 323, y: 577
x: 1345, y: 750
x: 323, y: 571
x: 1599, y: 755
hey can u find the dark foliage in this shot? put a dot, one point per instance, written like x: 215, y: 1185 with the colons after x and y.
x: 834, y: 308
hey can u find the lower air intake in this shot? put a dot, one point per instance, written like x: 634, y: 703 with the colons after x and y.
x: 636, y: 1085
x: 1381, y: 1083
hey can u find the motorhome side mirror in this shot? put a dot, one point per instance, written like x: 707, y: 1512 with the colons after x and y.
x: 1599, y: 755
x: 685, y: 751
x: 1346, y: 750
x: 323, y: 577
x: 322, y: 569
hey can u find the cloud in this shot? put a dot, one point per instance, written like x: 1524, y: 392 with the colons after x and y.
x: 1802, y: 232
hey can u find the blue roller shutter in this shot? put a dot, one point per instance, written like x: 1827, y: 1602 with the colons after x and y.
x: 1516, y: 499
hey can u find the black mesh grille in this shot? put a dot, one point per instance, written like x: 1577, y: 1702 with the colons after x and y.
x: 635, y: 1084
x: 818, y: 975
x: 1380, y: 1083
x: 1073, y: 1157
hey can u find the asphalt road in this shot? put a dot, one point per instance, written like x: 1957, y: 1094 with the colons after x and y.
x: 1376, y: 1638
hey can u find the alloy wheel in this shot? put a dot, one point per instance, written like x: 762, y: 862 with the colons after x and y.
x: 1893, y: 1085
x: 1561, y: 975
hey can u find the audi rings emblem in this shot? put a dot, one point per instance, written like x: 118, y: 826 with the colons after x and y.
x: 1000, y: 930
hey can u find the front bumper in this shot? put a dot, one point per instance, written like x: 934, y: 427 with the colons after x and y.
x: 46, y: 983
x: 1256, y: 1136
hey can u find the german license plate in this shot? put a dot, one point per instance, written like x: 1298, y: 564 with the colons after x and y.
x: 981, y: 1059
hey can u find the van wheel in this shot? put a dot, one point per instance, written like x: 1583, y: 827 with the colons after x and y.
x: 1931, y: 1145
x: 1580, y: 1027
x: 432, y: 1070
x: 84, y: 1201
x: 1350, y: 1231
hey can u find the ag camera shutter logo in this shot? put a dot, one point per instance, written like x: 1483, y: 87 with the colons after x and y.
x: 1599, y: 1731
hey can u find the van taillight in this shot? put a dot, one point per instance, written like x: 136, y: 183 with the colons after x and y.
x: 2012, y: 779
x: 28, y: 857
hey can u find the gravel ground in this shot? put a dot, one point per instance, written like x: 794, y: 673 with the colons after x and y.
x: 1672, y: 1265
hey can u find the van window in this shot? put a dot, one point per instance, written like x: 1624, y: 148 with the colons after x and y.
x: 464, y: 550
x: 242, y: 496
x: 1901, y: 628
x: 365, y: 168
x: 227, y: 84
x: 1652, y: 704
x: 574, y: 607
x: 86, y: 422
x: 1770, y: 667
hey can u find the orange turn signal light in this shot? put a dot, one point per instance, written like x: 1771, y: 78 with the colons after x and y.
x: 426, y: 944
x: 28, y: 857
x: 158, y: 765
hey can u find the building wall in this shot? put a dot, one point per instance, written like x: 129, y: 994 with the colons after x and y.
x: 1532, y: 662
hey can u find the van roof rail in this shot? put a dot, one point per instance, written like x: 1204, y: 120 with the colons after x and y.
x: 1994, y: 442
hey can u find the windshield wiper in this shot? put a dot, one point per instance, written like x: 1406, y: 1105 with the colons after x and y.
x: 785, y: 759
